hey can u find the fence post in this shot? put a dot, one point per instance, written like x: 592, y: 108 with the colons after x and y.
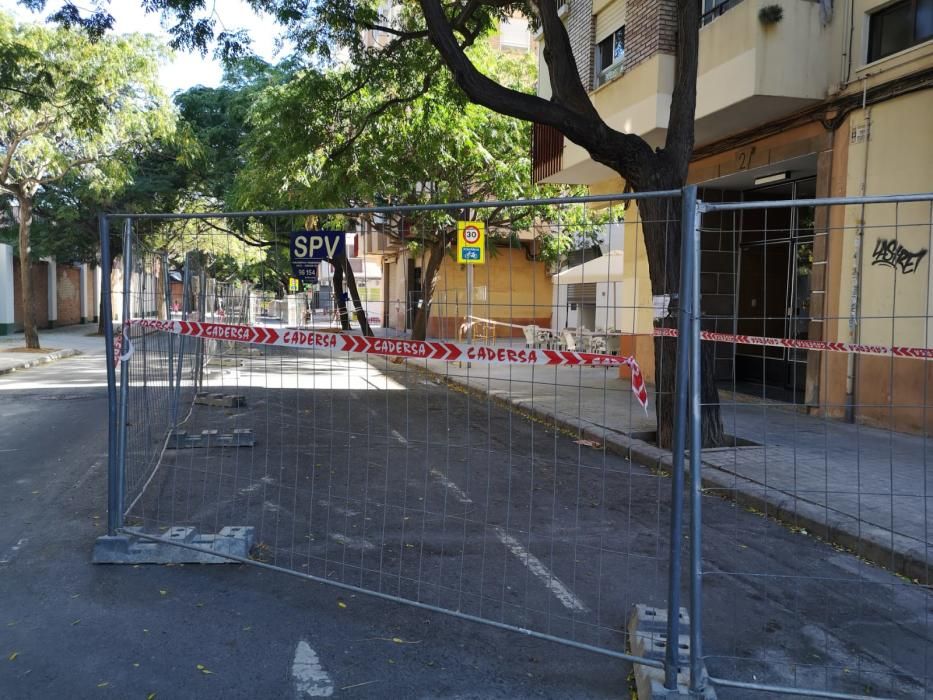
x: 106, y: 300
x: 185, y: 291
x: 168, y: 317
x: 115, y: 516
x: 697, y: 676
x: 684, y: 305
x: 202, y: 316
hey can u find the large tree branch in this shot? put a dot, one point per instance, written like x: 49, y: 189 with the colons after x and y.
x: 678, y: 145
x: 564, y: 75
x: 628, y: 154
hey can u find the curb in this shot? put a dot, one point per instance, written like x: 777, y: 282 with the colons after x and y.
x: 44, y: 359
x: 881, y: 547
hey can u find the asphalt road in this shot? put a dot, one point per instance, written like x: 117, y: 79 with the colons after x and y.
x: 383, y: 478
x: 75, y: 630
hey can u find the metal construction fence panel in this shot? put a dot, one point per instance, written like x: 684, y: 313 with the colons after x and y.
x: 816, y: 314
x: 511, y: 468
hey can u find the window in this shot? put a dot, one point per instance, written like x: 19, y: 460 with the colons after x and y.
x: 711, y: 9
x: 610, y: 53
x: 898, y: 27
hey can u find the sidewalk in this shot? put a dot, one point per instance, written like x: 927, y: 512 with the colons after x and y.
x: 57, y: 343
x: 863, y: 488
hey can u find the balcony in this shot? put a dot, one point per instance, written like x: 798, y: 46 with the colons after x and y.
x: 547, y: 146
x: 749, y: 73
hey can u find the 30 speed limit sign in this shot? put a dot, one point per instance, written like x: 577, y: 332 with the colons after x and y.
x: 471, y: 242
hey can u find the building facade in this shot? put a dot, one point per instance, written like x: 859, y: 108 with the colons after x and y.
x: 795, y: 99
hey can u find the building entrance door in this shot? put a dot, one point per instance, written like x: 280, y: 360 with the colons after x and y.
x: 775, y: 258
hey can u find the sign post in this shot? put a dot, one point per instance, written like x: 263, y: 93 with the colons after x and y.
x: 471, y: 250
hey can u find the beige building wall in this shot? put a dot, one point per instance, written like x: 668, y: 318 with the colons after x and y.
x: 509, y: 288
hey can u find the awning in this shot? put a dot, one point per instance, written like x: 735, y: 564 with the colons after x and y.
x: 606, y: 268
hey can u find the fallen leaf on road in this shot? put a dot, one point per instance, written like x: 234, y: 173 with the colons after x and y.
x: 103, y: 684
x: 13, y: 656
x: 162, y: 591
x: 341, y: 604
x: 150, y: 696
x: 203, y: 669
x: 76, y: 622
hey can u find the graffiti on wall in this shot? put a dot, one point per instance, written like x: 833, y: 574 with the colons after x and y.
x: 892, y: 254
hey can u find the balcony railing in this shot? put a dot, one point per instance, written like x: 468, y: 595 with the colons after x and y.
x: 710, y: 9
x: 547, y: 147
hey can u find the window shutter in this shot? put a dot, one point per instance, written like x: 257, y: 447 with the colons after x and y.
x: 610, y: 19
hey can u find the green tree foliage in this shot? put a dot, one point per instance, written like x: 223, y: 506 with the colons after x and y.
x: 99, y: 107
x: 323, y: 139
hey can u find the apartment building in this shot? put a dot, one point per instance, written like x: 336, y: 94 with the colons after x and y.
x: 795, y: 99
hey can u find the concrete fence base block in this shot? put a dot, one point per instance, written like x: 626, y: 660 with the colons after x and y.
x: 240, y: 437
x: 221, y: 400
x: 647, y: 638
x: 128, y: 548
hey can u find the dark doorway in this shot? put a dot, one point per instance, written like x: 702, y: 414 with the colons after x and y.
x: 413, y: 302
x: 775, y: 258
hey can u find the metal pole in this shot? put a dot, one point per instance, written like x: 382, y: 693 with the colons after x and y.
x: 106, y: 300
x: 685, y: 301
x: 697, y: 681
x: 116, y: 515
x: 202, y: 316
x: 186, y: 290
x: 469, y: 302
x: 169, y: 336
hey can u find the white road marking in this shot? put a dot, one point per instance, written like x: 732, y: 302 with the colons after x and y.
x: 563, y: 594
x: 554, y: 584
x: 352, y: 542
x: 310, y: 678
x: 457, y: 492
x: 14, y: 550
x: 398, y: 436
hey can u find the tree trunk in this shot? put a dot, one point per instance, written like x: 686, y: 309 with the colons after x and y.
x: 419, y: 329
x: 660, y: 221
x: 25, y: 274
x: 355, y: 296
x: 338, y: 296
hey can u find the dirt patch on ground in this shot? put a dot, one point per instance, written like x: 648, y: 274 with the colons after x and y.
x: 38, y: 351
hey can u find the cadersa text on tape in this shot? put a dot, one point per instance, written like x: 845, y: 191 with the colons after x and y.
x: 501, y: 355
x: 310, y: 339
x: 407, y: 348
x: 222, y: 332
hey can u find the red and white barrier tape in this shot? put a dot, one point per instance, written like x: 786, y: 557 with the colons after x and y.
x: 416, y: 349
x: 826, y: 345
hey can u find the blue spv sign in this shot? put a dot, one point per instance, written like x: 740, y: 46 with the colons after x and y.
x: 307, y: 246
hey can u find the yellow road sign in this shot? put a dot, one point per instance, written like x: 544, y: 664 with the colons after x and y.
x: 471, y: 242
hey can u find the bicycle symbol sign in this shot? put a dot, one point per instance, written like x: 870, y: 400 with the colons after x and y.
x: 471, y: 243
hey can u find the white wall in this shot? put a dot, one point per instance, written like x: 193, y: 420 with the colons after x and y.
x: 6, y: 288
